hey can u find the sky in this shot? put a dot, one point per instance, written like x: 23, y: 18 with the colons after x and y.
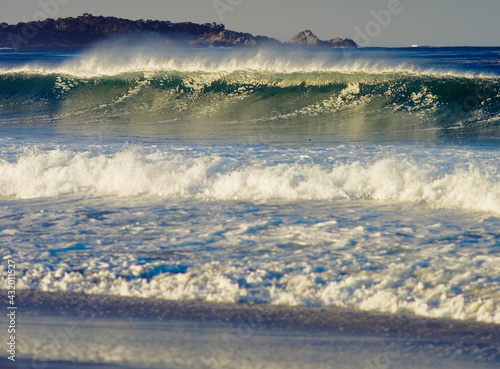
x: 386, y: 23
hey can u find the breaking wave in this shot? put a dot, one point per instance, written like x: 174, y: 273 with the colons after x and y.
x: 258, y: 86
x: 471, y: 186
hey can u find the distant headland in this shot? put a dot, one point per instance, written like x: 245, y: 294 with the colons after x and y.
x: 85, y: 30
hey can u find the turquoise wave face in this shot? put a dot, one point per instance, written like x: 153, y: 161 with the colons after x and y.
x: 381, y: 101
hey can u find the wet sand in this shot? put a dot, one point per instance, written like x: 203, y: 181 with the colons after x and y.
x: 57, y: 330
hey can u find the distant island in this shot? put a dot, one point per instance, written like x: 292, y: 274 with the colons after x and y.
x: 85, y: 30
x: 308, y: 39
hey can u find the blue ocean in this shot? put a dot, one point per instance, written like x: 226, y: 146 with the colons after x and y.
x: 367, y: 180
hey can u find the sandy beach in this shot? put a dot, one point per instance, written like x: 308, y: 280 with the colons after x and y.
x: 80, y: 331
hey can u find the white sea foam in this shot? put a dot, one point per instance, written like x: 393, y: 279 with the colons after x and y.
x: 279, y: 245
x: 355, y: 272
x: 34, y: 174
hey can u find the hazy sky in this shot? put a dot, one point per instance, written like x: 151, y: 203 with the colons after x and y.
x: 423, y: 22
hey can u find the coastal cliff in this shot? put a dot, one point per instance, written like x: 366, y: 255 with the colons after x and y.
x: 82, y: 31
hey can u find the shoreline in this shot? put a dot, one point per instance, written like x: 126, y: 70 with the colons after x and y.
x: 330, y: 319
x: 68, y: 330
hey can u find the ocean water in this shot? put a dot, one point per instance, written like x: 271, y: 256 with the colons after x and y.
x: 363, y: 179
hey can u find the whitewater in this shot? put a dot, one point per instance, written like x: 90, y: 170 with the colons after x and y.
x: 367, y: 179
